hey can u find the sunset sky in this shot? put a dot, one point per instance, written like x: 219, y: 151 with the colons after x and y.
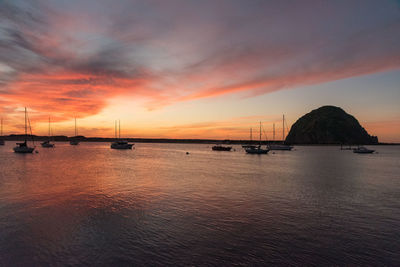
x: 197, y: 69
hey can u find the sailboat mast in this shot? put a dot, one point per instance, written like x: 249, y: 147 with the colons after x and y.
x: 115, y: 129
x: 251, y: 134
x: 76, y: 131
x: 49, y: 126
x: 119, y: 129
x: 1, y: 134
x: 26, y: 130
x: 283, y: 128
x: 260, y: 132
x: 273, y: 132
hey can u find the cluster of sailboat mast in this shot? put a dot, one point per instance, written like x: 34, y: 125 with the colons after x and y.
x: 25, y: 148
x: 119, y: 143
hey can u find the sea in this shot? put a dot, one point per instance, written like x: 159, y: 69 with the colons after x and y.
x: 157, y: 205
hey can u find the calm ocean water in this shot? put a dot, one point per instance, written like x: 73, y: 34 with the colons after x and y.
x: 155, y: 205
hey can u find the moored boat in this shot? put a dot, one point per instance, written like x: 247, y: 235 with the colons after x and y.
x: 281, y: 146
x: 47, y: 144
x: 363, y: 150
x: 23, y: 147
x: 120, y: 144
x: 256, y: 149
x: 1, y: 134
x: 73, y: 141
x: 221, y: 148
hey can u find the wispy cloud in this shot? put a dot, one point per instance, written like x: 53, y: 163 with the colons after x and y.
x: 71, y: 58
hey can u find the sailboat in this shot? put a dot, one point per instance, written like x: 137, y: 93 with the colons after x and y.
x: 74, y: 142
x: 1, y: 134
x: 23, y: 147
x: 120, y: 144
x: 282, y: 146
x: 47, y: 142
x: 257, y: 149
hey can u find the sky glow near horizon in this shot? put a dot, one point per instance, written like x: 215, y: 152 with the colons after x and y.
x: 197, y: 69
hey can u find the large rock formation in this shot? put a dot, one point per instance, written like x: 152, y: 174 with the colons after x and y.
x: 329, y: 125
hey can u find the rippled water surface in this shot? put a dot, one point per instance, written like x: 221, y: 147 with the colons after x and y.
x: 155, y: 205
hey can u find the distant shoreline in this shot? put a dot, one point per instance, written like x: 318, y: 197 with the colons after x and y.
x: 161, y: 140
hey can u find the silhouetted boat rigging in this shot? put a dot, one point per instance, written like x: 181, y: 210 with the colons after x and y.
x: 1, y: 134
x: 257, y: 149
x: 74, y: 141
x: 120, y: 144
x: 282, y: 146
x: 251, y: 141
x: 363, y: 150
x: 23, y: 147
x: 47, y: 143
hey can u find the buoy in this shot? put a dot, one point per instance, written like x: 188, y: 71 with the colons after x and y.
x: 187, y: 153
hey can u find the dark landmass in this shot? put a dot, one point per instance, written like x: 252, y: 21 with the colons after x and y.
x: 329, y: 125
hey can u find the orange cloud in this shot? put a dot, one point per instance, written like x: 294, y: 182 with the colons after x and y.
x: 66, y: 95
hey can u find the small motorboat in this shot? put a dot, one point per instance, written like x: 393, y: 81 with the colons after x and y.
x: 363, y: 150
x: 47, y: 144
x: 74, y: 142
x: 256, y: 150
x: 280, y: 147
x: 221, y: 148
x: 121, y: 145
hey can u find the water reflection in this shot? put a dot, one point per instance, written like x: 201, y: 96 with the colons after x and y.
x: 157, y: 206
